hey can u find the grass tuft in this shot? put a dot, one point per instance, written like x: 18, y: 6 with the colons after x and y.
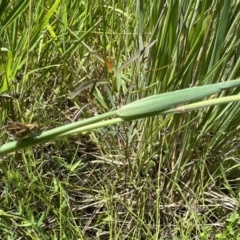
x: 170, y: 176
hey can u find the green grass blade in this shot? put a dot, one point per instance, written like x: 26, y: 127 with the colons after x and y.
x: 157, y: 103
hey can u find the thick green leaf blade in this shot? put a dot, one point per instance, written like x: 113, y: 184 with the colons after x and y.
x: 155, y: 104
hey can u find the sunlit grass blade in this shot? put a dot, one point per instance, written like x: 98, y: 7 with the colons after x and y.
x: 157, y: 103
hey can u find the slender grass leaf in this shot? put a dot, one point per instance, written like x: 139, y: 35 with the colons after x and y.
x: 157, y: 103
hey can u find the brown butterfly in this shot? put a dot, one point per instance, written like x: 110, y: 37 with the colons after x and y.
x: 107, y: 60
x: 21, y: 130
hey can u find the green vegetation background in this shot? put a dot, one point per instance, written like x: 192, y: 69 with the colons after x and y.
x: 166, y: 177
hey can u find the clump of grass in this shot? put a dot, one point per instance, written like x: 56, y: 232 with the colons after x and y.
x: 171, y: 176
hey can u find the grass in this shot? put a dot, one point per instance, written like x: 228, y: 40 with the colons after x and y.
x: 171, y: 176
